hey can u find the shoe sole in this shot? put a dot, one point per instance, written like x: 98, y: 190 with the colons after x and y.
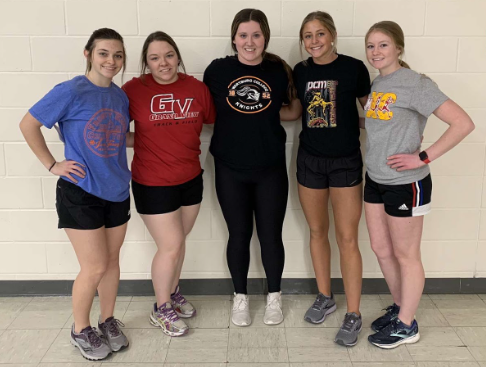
x: 121, y: 348
x: 273, y: 323
x: 164, y: 330
x: 86, y: 356
x: 411, y: 340
x: 328, y: 312
x: 340, y: 342
x: 186, y: 316
x: 241, y: 325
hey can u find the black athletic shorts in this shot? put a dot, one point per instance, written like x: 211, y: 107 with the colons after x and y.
x: 322, y: 172
x: 78, y: 209
x: 166, y: 199
x: 408, y: 200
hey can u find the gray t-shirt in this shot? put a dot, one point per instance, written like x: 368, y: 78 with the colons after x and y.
x: 396, y: 113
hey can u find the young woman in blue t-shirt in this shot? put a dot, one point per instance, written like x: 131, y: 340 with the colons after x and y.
x: 92, y: 194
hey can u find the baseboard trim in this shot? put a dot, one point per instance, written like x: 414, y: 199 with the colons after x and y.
x: 17, y: 288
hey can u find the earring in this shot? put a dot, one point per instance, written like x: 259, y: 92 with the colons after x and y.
x: 332, y: 44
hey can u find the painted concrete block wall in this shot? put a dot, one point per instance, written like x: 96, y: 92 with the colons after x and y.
x: 41, y: 44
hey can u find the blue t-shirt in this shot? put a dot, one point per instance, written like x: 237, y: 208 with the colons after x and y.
x: 93, y: 122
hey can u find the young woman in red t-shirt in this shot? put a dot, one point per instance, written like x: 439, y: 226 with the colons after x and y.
x: 169, y: 109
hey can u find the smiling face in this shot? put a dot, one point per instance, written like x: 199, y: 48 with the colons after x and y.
x: 318, y: 42
x: 162, y: 62
x: 106, y: 60
x: 250, y: 43
x: 382, y: 53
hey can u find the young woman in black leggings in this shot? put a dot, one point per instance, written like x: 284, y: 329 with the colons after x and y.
x: 249, y: 150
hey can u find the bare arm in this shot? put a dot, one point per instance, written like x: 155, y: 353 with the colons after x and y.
x: 31, y: 129
x: 460, y: 125
x: 362, y: 102
x: 292, y: 111
x: 130, y: 139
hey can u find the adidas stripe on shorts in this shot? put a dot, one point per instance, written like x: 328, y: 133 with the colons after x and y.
x: 408, y: 200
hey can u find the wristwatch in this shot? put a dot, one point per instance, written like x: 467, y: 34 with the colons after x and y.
x: 424, y: 157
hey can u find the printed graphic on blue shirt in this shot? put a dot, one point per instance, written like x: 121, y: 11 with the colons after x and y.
x: 104, y: 133
x: 320, y: 97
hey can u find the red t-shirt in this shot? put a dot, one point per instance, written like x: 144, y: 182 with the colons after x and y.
x: 168, y: 121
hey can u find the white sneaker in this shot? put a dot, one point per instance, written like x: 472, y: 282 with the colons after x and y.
x: 273, y: 309
x: 240, y: 315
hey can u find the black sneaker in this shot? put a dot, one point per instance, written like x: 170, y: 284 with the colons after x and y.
x: 394, y: 334
x: 390, y: 315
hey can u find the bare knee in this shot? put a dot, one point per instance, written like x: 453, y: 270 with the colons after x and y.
x: 347, y: 244
x: 96, y: 271
x: 382, y: 251
x: 407, y: 257
x: 319, y: 233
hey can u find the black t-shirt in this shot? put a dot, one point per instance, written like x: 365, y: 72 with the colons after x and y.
x: 247, y: 132
x: 330, y: 120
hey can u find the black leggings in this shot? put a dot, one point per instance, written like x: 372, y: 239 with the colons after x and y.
x: 242, y: 193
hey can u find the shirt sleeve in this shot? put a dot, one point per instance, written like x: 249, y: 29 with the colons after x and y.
x: 53, y: 106
x: 209, y: 109
x: 364, y: 82
x: 426, y: 97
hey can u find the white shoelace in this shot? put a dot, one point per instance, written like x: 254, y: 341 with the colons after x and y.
x: 273, y: 304
x: 240, y: 303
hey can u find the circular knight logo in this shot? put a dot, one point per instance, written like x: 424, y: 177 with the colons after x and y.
x: 249, y: 94
x: 104, y: 133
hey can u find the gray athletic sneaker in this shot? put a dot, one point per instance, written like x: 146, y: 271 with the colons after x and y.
x: 114, y: 337
x: 89, y: 343
x: 321, y: 307
x: 347, y: 336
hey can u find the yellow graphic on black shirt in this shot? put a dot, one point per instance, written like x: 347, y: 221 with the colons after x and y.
x: 378, y: 106
x: 316, y: 102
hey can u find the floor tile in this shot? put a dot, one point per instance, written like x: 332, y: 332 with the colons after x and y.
x: 200, y: 339
x: 438, y: 354
x: 62, y: 351
x: 472, y: 336
x: 146, y: 346
x: 257, y: 355
x: 85, y: 364
x: 120, y: 309
x: 464, y: 317
x: 209, y: 298
x: 25, y: 346
x: 185, y: 365
x: 460, y: 304
x: 257, y: 338
x: 9, y: 312
x: 311, y: 337
x: 41, y: 319
x: 437, y: 337
x: 24, y: 300
x: 321, y: 364
x: 447, y: 364
x: 108, y: 363
x: 137, y: 315
x: 196, y: 356
x: 334, y: 353
x: 383, y: 364
x: 479, y: 353
x: 257, y: 365
x: 256, y: 315
x: 454, y: 296
x: 430, y: 317
x: 210, y: 315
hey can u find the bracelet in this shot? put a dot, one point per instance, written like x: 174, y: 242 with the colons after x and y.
x: 52, y: 166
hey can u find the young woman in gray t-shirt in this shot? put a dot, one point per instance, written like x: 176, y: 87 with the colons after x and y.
x: 398, y: 183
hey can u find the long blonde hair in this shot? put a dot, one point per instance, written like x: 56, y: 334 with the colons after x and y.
x: 395, y: 32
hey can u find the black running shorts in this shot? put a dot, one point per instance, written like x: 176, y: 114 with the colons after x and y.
x: 323, y: 172
x: 78, y: 209
x: 166, y: 199
x: 408, y: 200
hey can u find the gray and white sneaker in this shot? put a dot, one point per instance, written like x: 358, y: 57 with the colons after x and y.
x: 347, y: 336
x: 114, y: 337
x: 89, y: 343
x: 322, y: 306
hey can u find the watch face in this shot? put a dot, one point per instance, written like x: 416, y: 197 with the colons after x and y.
x: 423, y: 156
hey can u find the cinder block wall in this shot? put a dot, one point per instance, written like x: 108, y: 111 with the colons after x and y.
x: 41, y: 44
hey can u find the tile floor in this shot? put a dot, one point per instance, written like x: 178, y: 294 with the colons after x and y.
x: 35, y: 332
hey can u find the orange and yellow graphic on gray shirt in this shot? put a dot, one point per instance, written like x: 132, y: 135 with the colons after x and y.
x: 378, y: 105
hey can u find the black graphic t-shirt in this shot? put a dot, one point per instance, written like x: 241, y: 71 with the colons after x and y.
x: 247, y: 132
x: 330, y: 120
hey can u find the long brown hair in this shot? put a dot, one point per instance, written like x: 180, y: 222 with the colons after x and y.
x: 327, y: 22
x: 103, y: 34
x: 158, y: 36
x: 395, y: 32
x: 247, y: 15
